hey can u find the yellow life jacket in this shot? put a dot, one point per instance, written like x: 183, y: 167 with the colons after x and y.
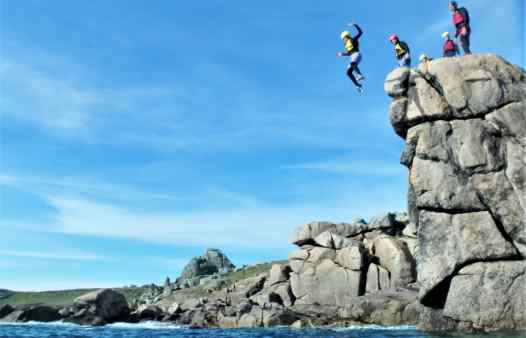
x: 399, y: 49
x: 349, y: 46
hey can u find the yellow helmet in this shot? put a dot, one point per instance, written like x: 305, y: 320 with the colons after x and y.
x: 445, y: 35
x: 345, y: 34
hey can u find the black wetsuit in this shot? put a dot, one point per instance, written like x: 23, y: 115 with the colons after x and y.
x: 353, y: 66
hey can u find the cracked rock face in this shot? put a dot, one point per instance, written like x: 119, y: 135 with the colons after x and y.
x: 464, y: 122
x: 336, y: 263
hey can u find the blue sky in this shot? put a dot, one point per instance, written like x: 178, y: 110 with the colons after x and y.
x: 137, y: 134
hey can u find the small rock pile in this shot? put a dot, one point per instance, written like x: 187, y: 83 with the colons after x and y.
x: 338, y: 262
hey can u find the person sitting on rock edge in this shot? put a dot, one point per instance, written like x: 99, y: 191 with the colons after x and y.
x: 463, y: 29
x: 450, y: 47
x: 352, y: 49
x: 402, y: 52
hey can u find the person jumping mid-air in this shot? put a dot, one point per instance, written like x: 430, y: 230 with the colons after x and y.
x: 352, y: 49
x: 402, y: 52
x: 450, y: 47
x: 461, y: 22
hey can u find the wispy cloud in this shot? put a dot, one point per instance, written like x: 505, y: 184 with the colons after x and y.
x: 350, y: 166
x: 46, y: 185
x: 63, y: 256
x: 254, y: 227
x: 65, y: 101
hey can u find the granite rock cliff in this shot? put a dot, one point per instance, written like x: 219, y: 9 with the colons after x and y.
x: 464, y: 123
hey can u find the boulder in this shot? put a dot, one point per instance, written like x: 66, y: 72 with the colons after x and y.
x: 280, y: 294
x: 393, y: 255
x: 268, y: 317
x: 256, y: 285
x: 33, y: 313
x: 496, y: 191
x: 5, y: 310
x: 449, y: 241
x: 149, y: 312
x: 327, y: 284
x: 397, y: 82
x: 352, y: 257
x: 437, y: 187
x: 489, y: 295
x: 377, y: 279
x: 279, y: 273
x: 387, y: 307
x: 100, y: 307
x: 332, y: 241
x: 301, y: 260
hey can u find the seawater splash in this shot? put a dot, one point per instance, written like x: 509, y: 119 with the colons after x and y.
x: 375, y: 327
x: 167, y: 330
x: 149, y: 325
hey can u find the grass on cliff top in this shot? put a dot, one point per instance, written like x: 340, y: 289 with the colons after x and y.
x: 231, y: 278
x: 56, y: 298
x: 250, y: 271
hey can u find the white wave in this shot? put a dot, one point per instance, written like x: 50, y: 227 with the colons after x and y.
x: 150, y: 325
x: 375, y: 327
x: 33, y: 323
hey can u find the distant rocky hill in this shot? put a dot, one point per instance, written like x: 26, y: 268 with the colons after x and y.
x: 213, y: 261
x: 4, y: 293
x: 464, y: 122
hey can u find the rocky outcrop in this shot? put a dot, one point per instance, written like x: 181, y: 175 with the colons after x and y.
x: 97, y: 308
x: 338, y: 262
x: 31, y: 313
x: 329, y: 280
x: 213, y: 261
x: 464, y: 122
x: 5, y: 310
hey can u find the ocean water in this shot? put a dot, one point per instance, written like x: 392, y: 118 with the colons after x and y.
x: 159, y: 330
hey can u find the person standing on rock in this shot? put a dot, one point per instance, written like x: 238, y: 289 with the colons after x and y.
x: 461, y: 22
x: 352, y: 49
x: 402, y: 52
x: 450, y: 47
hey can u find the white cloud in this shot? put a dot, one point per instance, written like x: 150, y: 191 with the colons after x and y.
x: 63, y: 100
x: 349, y: 166
x: 66, y: 256
x: 47, y: 185
x: 218, y: 217
x: 256, y: 226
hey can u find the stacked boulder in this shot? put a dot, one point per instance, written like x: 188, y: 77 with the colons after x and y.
x: 464, y: 122
x: 212, y: 262
x: 336, y: 263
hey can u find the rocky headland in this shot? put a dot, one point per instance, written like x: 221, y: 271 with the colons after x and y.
x: 464, y: 122
x: 455, y: 260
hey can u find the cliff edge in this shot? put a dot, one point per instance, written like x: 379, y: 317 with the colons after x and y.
x: 464, y: 122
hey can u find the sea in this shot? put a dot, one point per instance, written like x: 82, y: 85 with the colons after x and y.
x: 160, y: 330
